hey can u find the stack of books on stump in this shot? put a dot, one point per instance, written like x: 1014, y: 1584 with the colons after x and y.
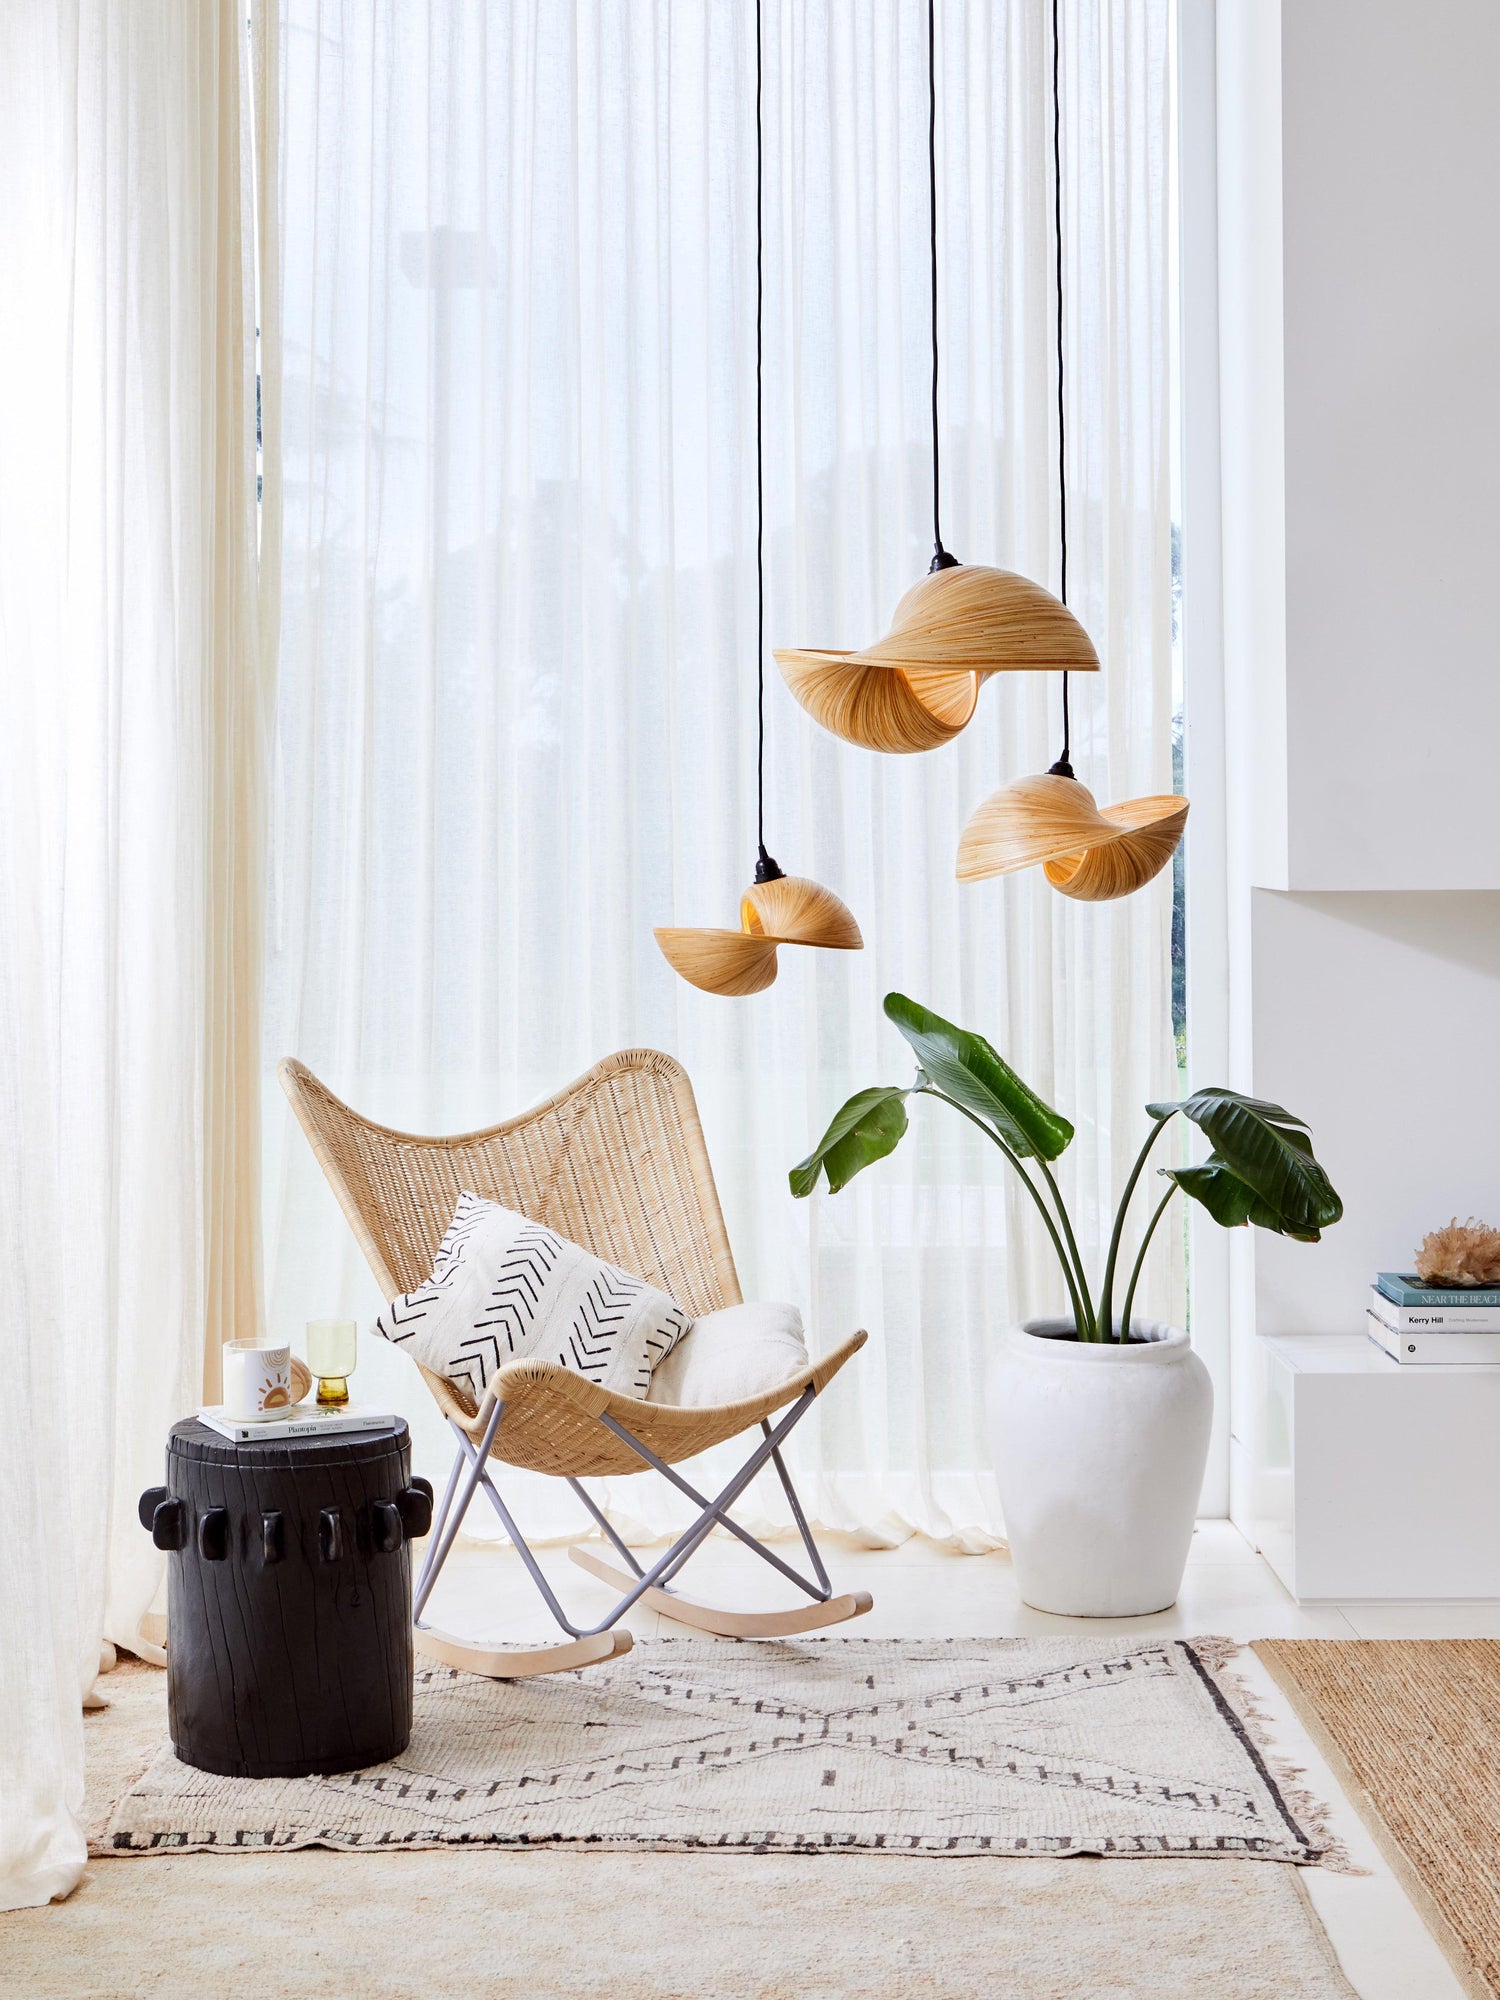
x: 1455, y: 1324
x: 299, y: 1420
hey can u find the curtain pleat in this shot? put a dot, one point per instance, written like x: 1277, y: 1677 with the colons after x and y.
x: 136, y: 697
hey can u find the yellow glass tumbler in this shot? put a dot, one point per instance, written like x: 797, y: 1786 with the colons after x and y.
x: 332, y: 1352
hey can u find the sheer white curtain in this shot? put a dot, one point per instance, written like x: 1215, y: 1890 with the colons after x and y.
x: 135, y: 704
x: 516, y: 721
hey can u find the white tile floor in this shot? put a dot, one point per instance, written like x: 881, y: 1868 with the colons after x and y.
x: 921, y: 1590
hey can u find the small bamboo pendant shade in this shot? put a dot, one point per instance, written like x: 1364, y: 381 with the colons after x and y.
x: 776, y: 909
x: 787, y: 910
x: 916, y: 688
x: 1084, y: 852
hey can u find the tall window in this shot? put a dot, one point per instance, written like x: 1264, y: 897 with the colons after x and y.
x: 516, y: 717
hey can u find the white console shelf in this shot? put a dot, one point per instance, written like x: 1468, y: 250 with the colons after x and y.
x: 1371, y: 1479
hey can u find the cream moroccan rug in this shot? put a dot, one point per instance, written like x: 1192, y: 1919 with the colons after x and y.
x: 961, y: 1747
x: 394, y: 1924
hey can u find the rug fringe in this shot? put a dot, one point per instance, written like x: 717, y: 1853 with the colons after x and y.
x: 1312, y: 1813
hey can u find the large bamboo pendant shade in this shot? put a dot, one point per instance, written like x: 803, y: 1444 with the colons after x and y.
x: 789, y: 909
x: 1091, y: 854
x: 917, y: 687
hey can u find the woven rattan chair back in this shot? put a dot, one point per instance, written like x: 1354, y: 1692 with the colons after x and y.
x: 616, y: 1162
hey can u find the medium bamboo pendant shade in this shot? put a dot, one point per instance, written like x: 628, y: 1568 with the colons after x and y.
x: 1053, y: 822
x: 916, y: 688
x: 787, y: 910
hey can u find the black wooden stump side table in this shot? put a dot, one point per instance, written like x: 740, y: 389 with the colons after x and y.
x: 289, y: 1648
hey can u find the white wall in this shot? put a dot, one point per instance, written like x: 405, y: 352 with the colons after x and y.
x: 1390, y: 171
x: 1356, y: 310
x: 1377, y: 1017
x: 1253, y: 456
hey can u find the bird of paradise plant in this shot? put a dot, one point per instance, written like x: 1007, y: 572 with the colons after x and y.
x: 1261, y: 1169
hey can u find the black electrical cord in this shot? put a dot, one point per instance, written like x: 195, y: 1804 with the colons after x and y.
x: 940, y: 556
x: 1062, y: 768
x: 766, y: 870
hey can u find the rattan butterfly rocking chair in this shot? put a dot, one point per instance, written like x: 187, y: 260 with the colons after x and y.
x: 617, y: 1163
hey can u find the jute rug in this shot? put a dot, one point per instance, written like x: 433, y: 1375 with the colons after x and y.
x: 1028, y: 1747
x: 1411, y: 1728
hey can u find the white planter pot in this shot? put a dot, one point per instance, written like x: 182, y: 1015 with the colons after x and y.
x: 1099, y: 1456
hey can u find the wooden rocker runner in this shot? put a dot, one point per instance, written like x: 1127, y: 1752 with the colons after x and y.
x: 617, y: 1163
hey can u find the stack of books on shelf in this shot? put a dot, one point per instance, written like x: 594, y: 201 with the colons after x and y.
x: 1416, y: 1323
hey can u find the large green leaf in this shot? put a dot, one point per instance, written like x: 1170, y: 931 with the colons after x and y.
x: 1229, y: 1200
x: 1276, y: 1112
x: 1268, y: 1149
x: 964, y: 1067
x: 868, y: 1127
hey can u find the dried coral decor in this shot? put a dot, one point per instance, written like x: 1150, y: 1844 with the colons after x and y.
x: 1459, y: 1254
x: 916, y: 688
x: 617, y: 1163
x: 776, y: 909
x: 1051, y: 820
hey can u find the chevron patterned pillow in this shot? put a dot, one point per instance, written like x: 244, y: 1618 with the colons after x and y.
x: 504, y: 1287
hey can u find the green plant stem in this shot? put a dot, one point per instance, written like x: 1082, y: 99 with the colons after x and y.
x: 1106, y: 1290
x: 1140, y: 1258
x: 1080, y: 1318
x: 1090, y: 1329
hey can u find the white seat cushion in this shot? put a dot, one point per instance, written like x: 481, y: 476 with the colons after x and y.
x: 503, y: 1288
x: 731, y: 1355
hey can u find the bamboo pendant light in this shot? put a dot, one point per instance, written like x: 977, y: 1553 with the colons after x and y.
x: 1052, y: 821
x: 1094, y: 855
x: 776, y: 909
x: 918, y: 686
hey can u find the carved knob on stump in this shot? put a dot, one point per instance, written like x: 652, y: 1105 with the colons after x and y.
x: 213, y: 1534
x: 415, y: 1504
x: 169, y: 1523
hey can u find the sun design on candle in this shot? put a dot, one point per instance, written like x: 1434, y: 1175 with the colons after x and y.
x: 274, y: 1395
